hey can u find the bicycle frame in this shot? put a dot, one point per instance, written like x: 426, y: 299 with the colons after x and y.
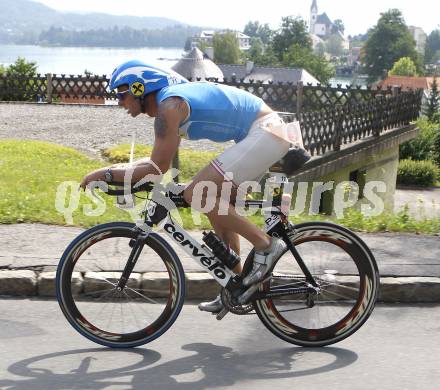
x: 156, y: 214
x: 288, y: 278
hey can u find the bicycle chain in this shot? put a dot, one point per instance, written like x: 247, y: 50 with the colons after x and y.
x: 235, y: 309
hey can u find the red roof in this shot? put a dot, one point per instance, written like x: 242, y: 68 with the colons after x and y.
x: 406, y: 82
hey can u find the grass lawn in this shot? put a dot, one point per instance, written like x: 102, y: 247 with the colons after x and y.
x: 32, y: 172
x: 31, y: 175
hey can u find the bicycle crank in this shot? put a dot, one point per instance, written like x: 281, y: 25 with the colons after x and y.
x: 234, y: 308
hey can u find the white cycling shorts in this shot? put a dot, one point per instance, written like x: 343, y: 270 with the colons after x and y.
x: 268, y: 140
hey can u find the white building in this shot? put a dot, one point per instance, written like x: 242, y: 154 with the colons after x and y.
x: 420, y: 37
x: 206, y: 36
x: 244, y: 40
x: 322, y: 27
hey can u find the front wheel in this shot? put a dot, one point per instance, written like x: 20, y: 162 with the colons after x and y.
x: 87, y: 279
x: 347, y: 287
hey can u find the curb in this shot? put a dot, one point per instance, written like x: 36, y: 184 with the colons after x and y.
x: 199, y: 285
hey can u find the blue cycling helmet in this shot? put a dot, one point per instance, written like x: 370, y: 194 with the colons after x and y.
x: 142, y: 78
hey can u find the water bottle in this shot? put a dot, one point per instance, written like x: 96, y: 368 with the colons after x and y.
x: 225, y: 254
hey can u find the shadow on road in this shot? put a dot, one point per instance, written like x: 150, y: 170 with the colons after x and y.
x: 210, y: 366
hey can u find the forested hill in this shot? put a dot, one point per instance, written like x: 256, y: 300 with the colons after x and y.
x: 174, y: 36
x: 30, y: 22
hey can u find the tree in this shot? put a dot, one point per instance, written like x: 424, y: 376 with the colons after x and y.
x: 334, y: 45
x: 226, y: 48
x: 436, y: 148
x: 293, y: 31
x: 18, y: 82
x: 257, y: 30
x: 358, y: 40
x: 260, y: 54
x: 388, y: 41
x: 404, y: 67
x: 432, y: 109
x: 432, y: 49
x: 22, y: 68
x: 320, y: 49
x: 301, y: 57
x: 203, y: 45
x: 256, y: 51
x: 257, y: 47
x: 338, y: 25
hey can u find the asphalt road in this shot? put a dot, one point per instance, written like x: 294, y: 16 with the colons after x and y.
x: 398, y: 348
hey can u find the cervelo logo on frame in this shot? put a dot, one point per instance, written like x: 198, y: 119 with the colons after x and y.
x: 210, y: 263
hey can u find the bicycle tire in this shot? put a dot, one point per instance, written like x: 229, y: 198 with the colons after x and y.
x: 162, y: 303
x: 351, y: 296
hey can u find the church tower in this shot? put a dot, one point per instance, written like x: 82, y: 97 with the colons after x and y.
x: 313, y: 16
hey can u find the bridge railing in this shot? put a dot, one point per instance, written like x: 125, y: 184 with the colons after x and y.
x: 330, y: 128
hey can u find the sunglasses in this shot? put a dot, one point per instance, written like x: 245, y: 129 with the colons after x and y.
x: 121, y: 95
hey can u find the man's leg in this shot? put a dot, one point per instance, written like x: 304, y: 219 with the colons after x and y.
x: 229, y: 237
x: 244, y: 161
x: 228, y: 220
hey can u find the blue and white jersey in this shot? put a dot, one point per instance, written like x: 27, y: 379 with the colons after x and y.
x: 217, y: 112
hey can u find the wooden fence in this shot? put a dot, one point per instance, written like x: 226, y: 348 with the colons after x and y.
x: 330, y: 116
x: 284, y: 97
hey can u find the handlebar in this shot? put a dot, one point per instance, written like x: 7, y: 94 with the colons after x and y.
x: 124, y: 190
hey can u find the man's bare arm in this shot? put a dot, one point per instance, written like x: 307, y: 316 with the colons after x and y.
x: 171, y: 112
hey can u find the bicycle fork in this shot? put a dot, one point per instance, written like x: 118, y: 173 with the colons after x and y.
x: 137, y: 245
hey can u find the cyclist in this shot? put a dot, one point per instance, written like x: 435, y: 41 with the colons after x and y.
x: 216, y: 112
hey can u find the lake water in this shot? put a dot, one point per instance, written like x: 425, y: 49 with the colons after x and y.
x: 100, y: 61
x: 344, y: 81
x: 74, y: 60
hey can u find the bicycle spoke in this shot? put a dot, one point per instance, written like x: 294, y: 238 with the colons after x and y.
x: 345, y: 297
x: 105, y: 295
x: 111, y: 316
x: 122, y: 318
x: 142, y: 295
x: 131, y: 308
x: 98, y: 314
x: 340, y: 285
x: 96, y: 292
x: 102, y: 279
x: 296, y: 309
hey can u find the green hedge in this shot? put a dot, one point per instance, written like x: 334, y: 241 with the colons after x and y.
x: 436, y: 149
x: 422, y: 173
x: 421, y: 147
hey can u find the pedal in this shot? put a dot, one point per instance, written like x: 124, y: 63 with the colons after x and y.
x: 220, y: 315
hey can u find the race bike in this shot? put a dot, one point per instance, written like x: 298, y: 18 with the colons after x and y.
x: 122, y: 284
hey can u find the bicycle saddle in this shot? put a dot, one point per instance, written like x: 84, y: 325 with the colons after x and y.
x: 292, y: 161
